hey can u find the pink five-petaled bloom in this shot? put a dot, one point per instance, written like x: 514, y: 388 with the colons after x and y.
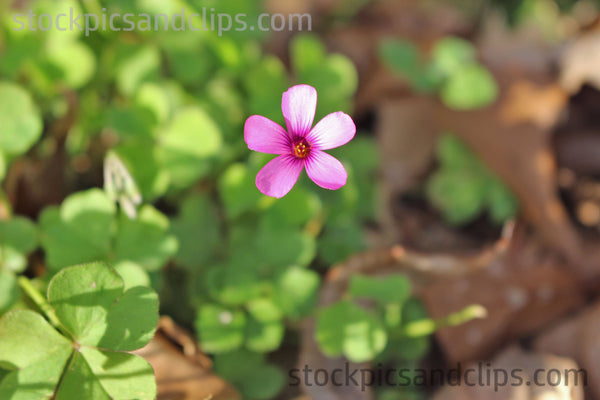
x: 299, y: 146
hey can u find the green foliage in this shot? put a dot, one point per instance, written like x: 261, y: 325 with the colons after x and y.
x: 450, y: 54
x: 279, y: 247
x: 20, y: 121
x: 340, y: 240
x: 220, y: 329
x: 405, y: 347
x: 256, y: 378
x: 404, y: 58
x: 343, y: 235
x: 197, y: 231
x: 543, y: 14
x: 469, y: 88
x: 18, y: 238
x: 348, y: 329
x: 265, y: 83
x: 188, y: 144
x: 9, y: 291
x: 96, y: 322
x: 264, y: 330
x: 87, y: 228
x: 334, y: 76
x: 165, y: 111
x: 60, y: 65
x: 361, y: 157
x: 294, y: 210
x: 394, y: 289
x: 451, y: 70
x: 463, y: 188
x: 2, y: 167
x: 238, y: 190
x: 295, y: 291
x: 396, y: 329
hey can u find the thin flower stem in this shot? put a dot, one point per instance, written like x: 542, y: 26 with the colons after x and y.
x: 42, y: 304
x: 428, y: 326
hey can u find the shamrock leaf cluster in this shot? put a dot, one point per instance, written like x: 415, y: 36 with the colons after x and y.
x: 86, y: 354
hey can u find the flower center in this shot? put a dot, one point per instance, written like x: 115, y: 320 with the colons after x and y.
x: 301, y: 149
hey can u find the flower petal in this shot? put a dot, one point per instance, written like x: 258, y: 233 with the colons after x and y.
x: 299, y: 104
x: 334, y: 130
x: 278, y: 177
x: 262, y: 134
x: 325, y: 170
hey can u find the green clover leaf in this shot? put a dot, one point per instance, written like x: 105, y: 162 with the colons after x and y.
x: 348, y: 329
x: 469, y: 88
x: 463, y: 187
x: 264, y: 329
x: 392, y: 289
x: 87, y: 228
x: 18, y: 237
x: 99, y: 321
x: 295, y: 291
x: 19, y: 118
x: 220, y: 329
x: 187, y: 150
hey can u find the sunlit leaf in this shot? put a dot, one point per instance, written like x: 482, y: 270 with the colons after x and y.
x: 220, y: 329
x: 87, y: 228
x: 75, y: 75
x: 296, y: 291
x: 345, y: 328
x: 264, y: 329
x: 450, y: 54
x: 18, y: 237
x: 94, y: 309
x: 20, y: 121
x: 469, y: 88
x: 238, y: 190
x: 188, y: 144
x: 79, y: 231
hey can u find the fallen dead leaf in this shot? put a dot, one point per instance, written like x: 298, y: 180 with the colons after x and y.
x: 522, y: 289
x: 527, y: 168
x: 488, y: 379
x: 579, y: 62
x: 539, y: 105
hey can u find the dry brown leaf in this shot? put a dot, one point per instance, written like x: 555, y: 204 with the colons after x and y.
x: 521, y: 155
x: 577, y: 337
x: 539, y: 105
x: 522, y: 290
x: 508, y: 362
x: 579, y: 62
x: 407, y: 137
x: 379, y: 263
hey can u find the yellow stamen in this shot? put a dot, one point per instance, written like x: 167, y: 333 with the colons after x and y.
x: 301, y: 149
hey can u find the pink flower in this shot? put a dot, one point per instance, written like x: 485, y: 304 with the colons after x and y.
x: 299, y: 146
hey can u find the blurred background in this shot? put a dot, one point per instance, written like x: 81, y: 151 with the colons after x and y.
x: 468, y: 231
